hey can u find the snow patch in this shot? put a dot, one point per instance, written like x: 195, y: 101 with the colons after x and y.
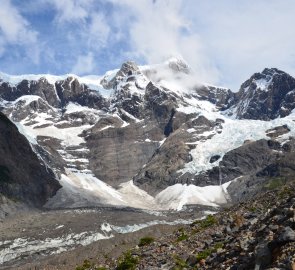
x: 263, y: 84
x: 233, y: 135
x: 178, y: 195
x: 74, y: 107
x: 22, y: 246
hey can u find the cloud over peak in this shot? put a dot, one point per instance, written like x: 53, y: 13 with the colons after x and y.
x: 223, y: 42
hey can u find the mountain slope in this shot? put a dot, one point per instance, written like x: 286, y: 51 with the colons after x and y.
x: 23, y: 176
x: 256, y: 234
x: 133, y: 135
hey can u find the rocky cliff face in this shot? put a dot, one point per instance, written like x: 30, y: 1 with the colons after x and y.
x: 156, y: 127
x: 23, y: 176
x: 266, y: 95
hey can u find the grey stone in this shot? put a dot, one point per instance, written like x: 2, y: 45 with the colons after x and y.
x: 286, y: 235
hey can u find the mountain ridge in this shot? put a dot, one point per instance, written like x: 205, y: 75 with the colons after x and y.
x: 147, y: 124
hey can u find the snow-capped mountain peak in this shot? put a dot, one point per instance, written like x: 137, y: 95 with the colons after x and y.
x: 154, y: 125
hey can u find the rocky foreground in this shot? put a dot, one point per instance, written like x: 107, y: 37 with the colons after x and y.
x: 257, y: 234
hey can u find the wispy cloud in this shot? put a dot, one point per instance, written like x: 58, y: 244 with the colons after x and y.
x: 84, y: 64
x: 159, y: 30
x: 98, y: 31
x: 245, y: 37
x: 223, y: 41
x: 15, y: 30
x: 71, y: 10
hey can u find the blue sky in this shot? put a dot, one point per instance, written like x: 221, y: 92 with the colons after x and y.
x: 224, y: 41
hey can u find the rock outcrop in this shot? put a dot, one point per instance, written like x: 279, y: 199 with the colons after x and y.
x: 255, y: 234
x: 266, y: 95
x: 23, y: 176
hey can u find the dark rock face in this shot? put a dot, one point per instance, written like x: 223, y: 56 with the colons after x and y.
x: 214, y: 158
x: 253, y: 161
x: 22, y: 109
x: 22, y: 175
x: 162, y: 169
x: 277, y: 131
x: 128, y: 69
x: 223, y: 98
x: 41, y: 88
x: 56, y: 95
x: 116, y: 154
x: 266, y: 96
x: 70, y: 90
x: 160, y: 104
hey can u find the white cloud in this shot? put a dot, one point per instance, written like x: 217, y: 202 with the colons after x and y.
x: 15, y: 30
x: 225, y: 42
x: 245, y: 37
x: 99, y: 30
x: 85, y: 64
x: 160, y: 31
x: 71, y: 10
x: 85, y: 20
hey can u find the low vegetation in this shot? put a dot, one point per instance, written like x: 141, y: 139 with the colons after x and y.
x: 180, y: 264
x: 127, y: 262
x: 208, y: 251
x: 87, y: 265
x: 204, y: 254
x: 276, y: 182
x: 146, y: 241
x: 206, y: 223
x: 182, y: 237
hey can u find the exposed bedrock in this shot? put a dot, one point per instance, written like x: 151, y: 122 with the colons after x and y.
x: 23, y: 176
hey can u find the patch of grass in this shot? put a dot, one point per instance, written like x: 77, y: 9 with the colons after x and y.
x: 127, y: 262
x: 284, y: 192
x: 146, y: 241
x: 206, y: 223
x: 181, y: 229
x: 208, y: 251
x: 87, y: 265
x: 275, y: 183
x: 179, y: 263
x: 182, y: 237
x: 204, y: 254
x: 218, y: 245
x: 252, y: 209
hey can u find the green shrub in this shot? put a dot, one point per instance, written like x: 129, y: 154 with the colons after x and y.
x: 146, y: 241
x: 204, y: 254
x: 182, y: 237
x: 87, y: 265
x: 207, y: 222
x: 284, y: 192
x: 218, y: 245
x: 127, y: 262
x: 275, y: 183
x: 179, y: 263
x: 252, y: 209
